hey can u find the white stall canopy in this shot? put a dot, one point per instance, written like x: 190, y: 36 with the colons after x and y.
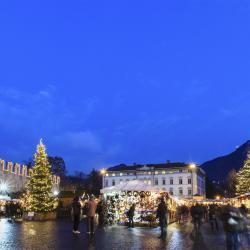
x: 134, y: 185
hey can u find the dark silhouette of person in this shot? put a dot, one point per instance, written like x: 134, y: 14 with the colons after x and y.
x: 76, y: 210
x: 162, y: 215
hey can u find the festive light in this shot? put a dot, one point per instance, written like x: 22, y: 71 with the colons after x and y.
x: 39, y: 194
x: 4, y: 187
x: 243, y: 177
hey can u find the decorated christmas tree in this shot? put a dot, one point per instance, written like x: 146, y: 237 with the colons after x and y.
x: 243, y: 178
x: 39, y: 188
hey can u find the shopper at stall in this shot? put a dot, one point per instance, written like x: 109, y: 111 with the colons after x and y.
x: 131, y: 214
x: 91, y: 210
x: 76, y: 213
x: 162, y: 215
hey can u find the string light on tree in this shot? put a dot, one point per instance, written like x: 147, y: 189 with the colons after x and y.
x: 243, y: 178
x: 40, y: 197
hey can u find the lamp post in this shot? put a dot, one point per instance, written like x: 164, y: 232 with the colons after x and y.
x: 103, y: 172
x: 192, y: 166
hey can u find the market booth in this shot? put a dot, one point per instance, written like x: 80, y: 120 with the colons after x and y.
x: 120, y: 198
x: 242, y: 199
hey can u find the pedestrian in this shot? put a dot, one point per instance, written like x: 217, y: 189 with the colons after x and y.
x: 91, y: 210
x: 76, y: 213
x: 245, y: 232
x: 212, y: 215
x: 162, y: 215
x: 232, y: 223
x: 197, y: 214
x: 99, y: 211
x: 131, y: 214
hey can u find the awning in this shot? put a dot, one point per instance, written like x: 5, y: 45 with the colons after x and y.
x: 134, y: 185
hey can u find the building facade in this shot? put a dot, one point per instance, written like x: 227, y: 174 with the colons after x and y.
x: 179, y: 179
x: 14, y: 177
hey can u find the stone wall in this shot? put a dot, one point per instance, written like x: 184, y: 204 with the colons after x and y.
x: 15, y: 176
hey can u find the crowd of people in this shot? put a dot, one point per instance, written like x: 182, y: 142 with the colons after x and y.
x: 12, y: 209
x: 234, y: 220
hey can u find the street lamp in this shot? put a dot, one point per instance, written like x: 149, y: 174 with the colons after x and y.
x: 103, y: 173
x: 192, y: 166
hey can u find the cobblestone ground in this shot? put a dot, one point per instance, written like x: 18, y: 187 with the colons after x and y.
x: 58, y: 235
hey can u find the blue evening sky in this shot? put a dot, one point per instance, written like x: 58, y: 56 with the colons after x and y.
x: 109, y: 82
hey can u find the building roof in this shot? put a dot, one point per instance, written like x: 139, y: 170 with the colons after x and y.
x: 124, y: 167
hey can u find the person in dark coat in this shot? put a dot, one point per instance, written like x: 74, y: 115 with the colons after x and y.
x: 131, y: 214
x: 212, y: 214
x: 197, y: 215
x: 232, y: 223
x: 76, y: 210
x: 162, y: 215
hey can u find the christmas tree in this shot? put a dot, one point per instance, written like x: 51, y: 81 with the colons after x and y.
x: 39, y: 188
x: 243, y: 178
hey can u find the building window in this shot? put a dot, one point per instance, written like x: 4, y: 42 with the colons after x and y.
x: 156, y: 172
x: 171, y: 181
x: 121, y: 174
x: 163, y: 182
x: 156, y: 182
x: 180, y: 181
x: 180, y: 191
x: 163, y: 172
x: 113, y: 174
x: 189, y: 191
x: 149, y: 182
x: 113, y: 182
x: 189, y: 181
x: 106, y: 183
x: 171, y: 191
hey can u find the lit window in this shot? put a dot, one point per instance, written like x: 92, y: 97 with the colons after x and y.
x: 163, y: 172
x: 156, y: 172
x: 113, y: 174
x: 121, y: 174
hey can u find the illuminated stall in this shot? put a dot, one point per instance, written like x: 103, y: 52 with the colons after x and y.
x: 121, y: 197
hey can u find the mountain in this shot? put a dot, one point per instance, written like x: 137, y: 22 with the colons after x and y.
x: 218, y: 168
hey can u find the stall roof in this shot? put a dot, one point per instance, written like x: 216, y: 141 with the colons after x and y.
x: 134, y: 185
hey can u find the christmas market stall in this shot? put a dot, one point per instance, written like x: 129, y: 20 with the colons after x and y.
x: 242, y: 199
x: 121, y: 197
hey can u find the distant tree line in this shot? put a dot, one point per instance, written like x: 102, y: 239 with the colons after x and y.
x: 77, y: 183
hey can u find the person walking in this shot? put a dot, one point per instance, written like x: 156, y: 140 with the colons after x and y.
x: 76, y: 212
x: 131, y: 214
x: 232, y: 223
x: 246, y: 222
x: 91, y: 210
x: 212, y: 215
x: 162, y: 215
x: 197, y: 214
